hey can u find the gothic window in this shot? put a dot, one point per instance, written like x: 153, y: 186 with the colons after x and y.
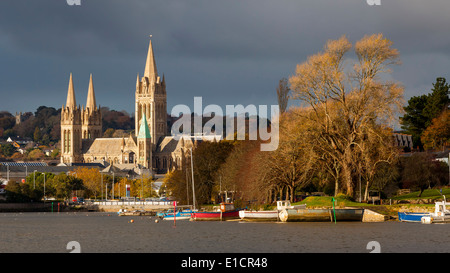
x: 65, y: 141
x: 68, y: 141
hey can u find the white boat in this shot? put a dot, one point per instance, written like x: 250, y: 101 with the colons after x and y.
x: 440, y: 215
x: 267, y: 215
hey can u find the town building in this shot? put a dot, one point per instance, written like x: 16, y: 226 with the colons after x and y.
x: 151, y: 147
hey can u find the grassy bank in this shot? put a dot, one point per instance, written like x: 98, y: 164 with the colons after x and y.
x: 433, y: 194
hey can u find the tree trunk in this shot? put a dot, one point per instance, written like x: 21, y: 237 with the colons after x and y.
x: 336, y: 185
x: 347, y: 175
x: 366, y: 191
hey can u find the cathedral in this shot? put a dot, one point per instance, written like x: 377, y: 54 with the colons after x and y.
x: 151, y: 147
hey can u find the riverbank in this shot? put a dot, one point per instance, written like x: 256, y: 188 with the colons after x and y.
x: 30, y: 207
x: 388, y: 208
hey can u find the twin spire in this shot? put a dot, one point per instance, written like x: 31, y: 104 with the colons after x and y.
x: 71, y: 101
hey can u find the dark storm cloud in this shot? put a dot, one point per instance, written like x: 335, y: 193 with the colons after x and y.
x: 232, y: 51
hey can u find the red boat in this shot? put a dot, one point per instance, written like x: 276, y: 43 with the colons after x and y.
x: 226, y: 212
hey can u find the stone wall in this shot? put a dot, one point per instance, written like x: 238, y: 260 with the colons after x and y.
x: 372, y: 216
x: 27, y: 207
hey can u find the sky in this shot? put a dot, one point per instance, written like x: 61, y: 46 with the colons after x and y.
x: 226, y: 51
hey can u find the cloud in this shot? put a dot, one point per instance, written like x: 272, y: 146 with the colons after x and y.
x: 230, y: 52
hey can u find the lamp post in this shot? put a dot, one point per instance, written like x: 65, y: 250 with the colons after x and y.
x: 113, y: 186
x: 102, y: 183
x: 26, y: 172
x: 44, y: 187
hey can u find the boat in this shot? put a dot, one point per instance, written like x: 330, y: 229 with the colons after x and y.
x: 226, y: 212
x: 267, y: 215
x: 321, y: 215
x: 124, y: 212
x: 440, y: 215
x: 179, y: 215
x: 412, y: 216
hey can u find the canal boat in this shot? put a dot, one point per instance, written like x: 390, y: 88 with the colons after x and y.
x: 226, y: 212
x: 321, y: 215
x: 268, y: 215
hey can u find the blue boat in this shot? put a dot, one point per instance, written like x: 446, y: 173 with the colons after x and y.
x: 412, y: 216
x: 185, y: 214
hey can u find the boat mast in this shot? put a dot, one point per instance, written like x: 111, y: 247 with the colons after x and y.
x: 193, y: 188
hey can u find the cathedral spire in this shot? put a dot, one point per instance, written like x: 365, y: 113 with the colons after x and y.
x: 71, y: 102
x: 90, y: 102
x: 150, y: 66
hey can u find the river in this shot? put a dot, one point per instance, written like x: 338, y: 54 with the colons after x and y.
x: 95, y: 232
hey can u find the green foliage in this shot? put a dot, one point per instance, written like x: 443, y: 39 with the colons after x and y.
x: 420, y: 172
x: 17, y: 192
x: 414, y: 120
x: 7, y: 150
x: 62, y: 185
x: 434, y: 193
x: 437, y: 100
x: 421, y: 110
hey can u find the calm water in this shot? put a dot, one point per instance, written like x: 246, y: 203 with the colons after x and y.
x: 103, y: 233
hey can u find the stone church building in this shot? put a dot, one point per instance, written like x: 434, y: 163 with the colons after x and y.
x: 151, y: 147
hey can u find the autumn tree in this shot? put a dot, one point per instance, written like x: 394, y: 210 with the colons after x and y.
x: 208, y: 157
x: 438, y: 133
x: 344, y: 101
x: 179, y: 185
x: 91, y: 178
x: 421, y: 110
x: 63, y: 185
x: 141, y: 187
x: 292, y: 165
x: 242, y: 176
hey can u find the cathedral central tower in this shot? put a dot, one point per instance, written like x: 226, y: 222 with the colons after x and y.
x: 151, y: 100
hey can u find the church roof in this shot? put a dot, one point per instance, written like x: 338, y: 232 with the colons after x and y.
x: 103, y: 146
x: 167, y: 145
x: 144, y: 131
x: 111, y: 169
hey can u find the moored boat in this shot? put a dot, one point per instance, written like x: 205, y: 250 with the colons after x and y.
x: 226, y: 212
x: 124, y: 212
x: 179, y: 215
x: 321, y: 215
x: 440, y: 214
x: 267, y: 215
x: 261, y: 215
x: 412, y: 216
